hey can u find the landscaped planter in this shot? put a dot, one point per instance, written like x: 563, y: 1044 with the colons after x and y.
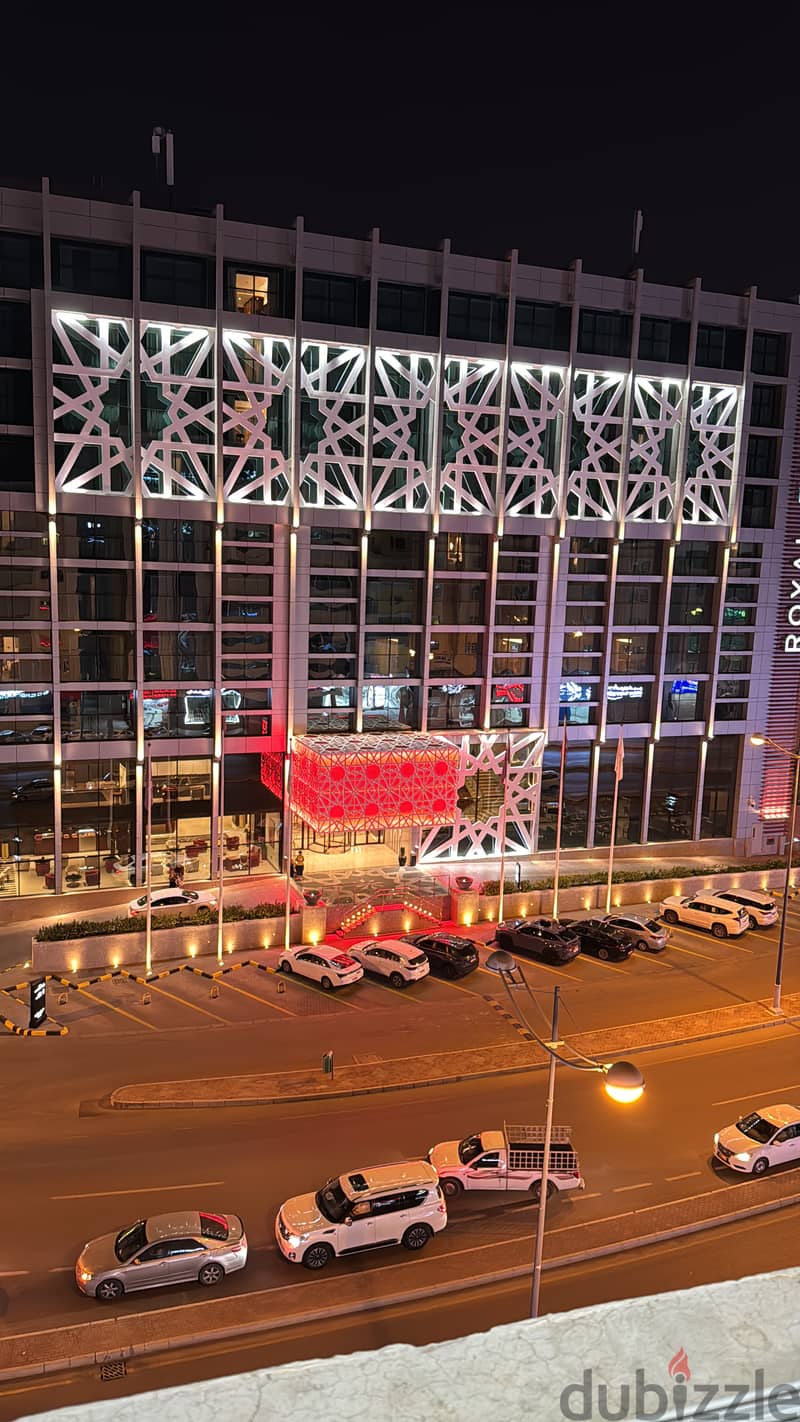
x: 127, y: 950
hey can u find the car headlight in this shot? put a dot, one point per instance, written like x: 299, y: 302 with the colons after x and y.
x: 296, y: 1240
x: 716, y: 1138
x: 84, y: 1275
x: 743, y: 1155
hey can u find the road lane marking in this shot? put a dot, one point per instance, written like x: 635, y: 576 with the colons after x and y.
x: 113, y: 1007
x: 731, y: 1100
x: 644, y: 1185
x: 600, y: 963
x: 175, y: 997
x: 62, y: 1269
x: 264, y: 1001
x: 690, y: 1174
x: 13, y: 1273
x: 144, y: 1190
x: 579, y: 1195
x: 53, y: 1382
x: 693, y: 953
x: 726, y: 942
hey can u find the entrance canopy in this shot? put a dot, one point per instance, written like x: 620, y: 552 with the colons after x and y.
x: 373, y: 782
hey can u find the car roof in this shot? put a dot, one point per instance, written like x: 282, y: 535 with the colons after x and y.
x: 781, y: 1115
x: 403, y: 1175
x: 708, y: 896
x: 327, y: 950
x: 755, y: 895
x: 172, y: 1226
x: 396, y: 944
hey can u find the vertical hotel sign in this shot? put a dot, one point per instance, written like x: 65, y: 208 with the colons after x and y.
x: 783, y: 714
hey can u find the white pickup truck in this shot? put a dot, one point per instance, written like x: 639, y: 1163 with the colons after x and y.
x: 510, y: 1159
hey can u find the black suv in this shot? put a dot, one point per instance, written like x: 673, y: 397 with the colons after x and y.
x: 600, y: 939
x: 449, y: 954
x: 545, y: 938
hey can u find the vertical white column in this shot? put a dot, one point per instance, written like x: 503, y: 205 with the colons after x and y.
x: 52, y: 536
x: 438, y: 413
x: 218, y: 780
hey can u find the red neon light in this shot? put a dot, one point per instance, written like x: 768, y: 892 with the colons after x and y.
x: 512, y: 691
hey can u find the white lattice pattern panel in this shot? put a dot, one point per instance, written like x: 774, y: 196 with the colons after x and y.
x: 92, y: 404
x: 598, y: 416
x: 655, y: 424
x: 177, y: 399
x: 256, y: 398
x: 484, y: 754
x: 333, y: 420
x: 535, y: 424
x: 402, y: 432
x: 471, y: 435
x: 711, y: 453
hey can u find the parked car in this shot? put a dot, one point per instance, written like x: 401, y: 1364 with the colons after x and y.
x: 386, y: 1204
x: 706, y: 910
x: 766, y: 1137
x: 173, y: 901
x: 164, y: 1249
x: 599, y: 939
x: 646, y: 934
x: 41, y: 788
x: 545, y: 938
x: 761, y: 909
x: 392, y: 959
x: 330, y: 967
x: 511, y: 1159
x: 446, y: 952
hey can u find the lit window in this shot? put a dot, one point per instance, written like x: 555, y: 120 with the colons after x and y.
x: 251, y: 293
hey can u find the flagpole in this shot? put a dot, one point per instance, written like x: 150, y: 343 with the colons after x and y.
x: 560, y: 813
x: 502, y: 826
x: 617, y: 777
x: 148, y: 952
x: 220, y: 850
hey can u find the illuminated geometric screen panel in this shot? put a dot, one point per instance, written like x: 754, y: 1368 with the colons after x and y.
x: 374, y: 782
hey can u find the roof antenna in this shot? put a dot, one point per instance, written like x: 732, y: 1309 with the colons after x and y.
x: 638, y: 223
x: 163, y: 149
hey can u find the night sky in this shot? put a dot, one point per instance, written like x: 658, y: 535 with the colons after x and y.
x: 498, y: 125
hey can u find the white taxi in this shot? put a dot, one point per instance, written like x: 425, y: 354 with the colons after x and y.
x: 330, y: 967
x: 763, y: 1138
x: 400, y: 962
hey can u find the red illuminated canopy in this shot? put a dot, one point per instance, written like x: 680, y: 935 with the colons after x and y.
x: 371, y: 782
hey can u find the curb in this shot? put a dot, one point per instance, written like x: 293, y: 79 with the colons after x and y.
x: 343, y: 1094
x: 359, y: 1306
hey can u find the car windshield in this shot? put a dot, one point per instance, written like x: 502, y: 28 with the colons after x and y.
x: 213, y: 1227
x: 189, y: 895
x: 332, y: 1202
x: 342, y: 961
x: 414, y: 959
x: 469, y: 1148
x: 129, y: 1241
x: 756, y: 1128
x: 653, y: 927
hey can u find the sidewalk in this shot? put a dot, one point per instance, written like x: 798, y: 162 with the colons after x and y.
x: 440, y: 1068
x: 443, y: 1269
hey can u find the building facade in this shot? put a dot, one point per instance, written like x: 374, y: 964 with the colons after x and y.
x: 405, y: 514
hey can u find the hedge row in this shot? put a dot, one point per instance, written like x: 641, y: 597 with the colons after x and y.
x: 97, y: 928
x: 621, y: 876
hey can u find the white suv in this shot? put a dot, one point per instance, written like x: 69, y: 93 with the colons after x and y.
x: 706, y: 910
x: 392, y: 959
x: 761, y: 908
x: 386, y: 1204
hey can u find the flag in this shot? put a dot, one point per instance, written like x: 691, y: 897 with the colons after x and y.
x: 620, y: 757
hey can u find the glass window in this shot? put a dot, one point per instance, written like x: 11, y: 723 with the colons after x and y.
x: 412, y: 309
x: 386, y: 707
x: 334, y: 558
x: 674, y: 790
x: 26, y: 829
x: 663, y: 340
x: 15, y: 329
x: 174, y: 712
x: 696, y: 558
x: 90, y: 595
x: 178, y: 597
x: 763, y: 456
x: 758, y: 506
x: 766, y: 406
x: 641, y: 556
x: 92, y: 268
x: 683, y: 698
x: 604, y: 333
x: 177, y: 540
x: 454, y: 552
x: 16, y: 397
x: 97, y: 716
x: 629, y: 798
x: 95, y: 656
x: 691, y: 603
x: 576, y: 796
x: 255, y: 290
x: 770, y: 353
x: 335, y: 300
x: 636, y: 604
x: 731, y: 711
x: 95, y: 538
x: 582, y: 616
x: 721, y: 347
x: 20, y: 260
x: 474, y: 317
x: 632, y: 653
x: 98, y: 817
x: 452, y: 707
x: 687, y: 653
x: 178, y: 656
x: 627, y: 702
x: 538, y: 323
x: 394, y: 600
x: 458, y: 600
x: 326, y: 585
x: 334, y: 537
x: 16, y: 463
x: 738, y: 616
x: 328, y: 709
x: 177, y: 279
x: 390, y: 548
x: 458, y: 654
x: 391, y: 654
x: 334, y: 613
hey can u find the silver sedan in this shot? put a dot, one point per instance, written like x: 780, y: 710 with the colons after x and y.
x: 190, y: 1247
x: 645, y: 933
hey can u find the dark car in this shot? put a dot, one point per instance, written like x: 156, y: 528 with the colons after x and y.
x: 39, y: 789
x: 600, y: 939
x: 545, y: 938
x: 446, y: 952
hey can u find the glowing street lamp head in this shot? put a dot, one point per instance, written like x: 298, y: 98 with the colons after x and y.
x: 623, y: 1082
x: 758, y: 739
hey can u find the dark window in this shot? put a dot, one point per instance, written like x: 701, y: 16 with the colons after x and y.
x: 177, y: 279
x: 762, y: 457
x: 674, y: 788
x: 257, y: 290
x: 663, y: 340
x: 390, y: 548
x: 460, y: 552
x: 413, y: 309
x: 20, y: 260
x: 90, y: 267
x: 15, y: 328
x: 721, y: 347
x: 16, y: 462
x: 696, y: 558
x: 640, y: 556
x: 604, y: 333
x: 471, y: 317
x: 691, y: 604
x: 394, y: 600
x: 335, y: 300
x: 537, y: 323
x: 16, y: 397
x: 766, y: 407
x: 770, y: 353
x: 758, y: 506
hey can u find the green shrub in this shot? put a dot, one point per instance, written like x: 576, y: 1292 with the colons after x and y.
x: 99, y: 928
x: 491, y: 888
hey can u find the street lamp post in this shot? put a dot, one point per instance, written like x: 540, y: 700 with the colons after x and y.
x: 762, y: 740
x: 623, y: 1083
